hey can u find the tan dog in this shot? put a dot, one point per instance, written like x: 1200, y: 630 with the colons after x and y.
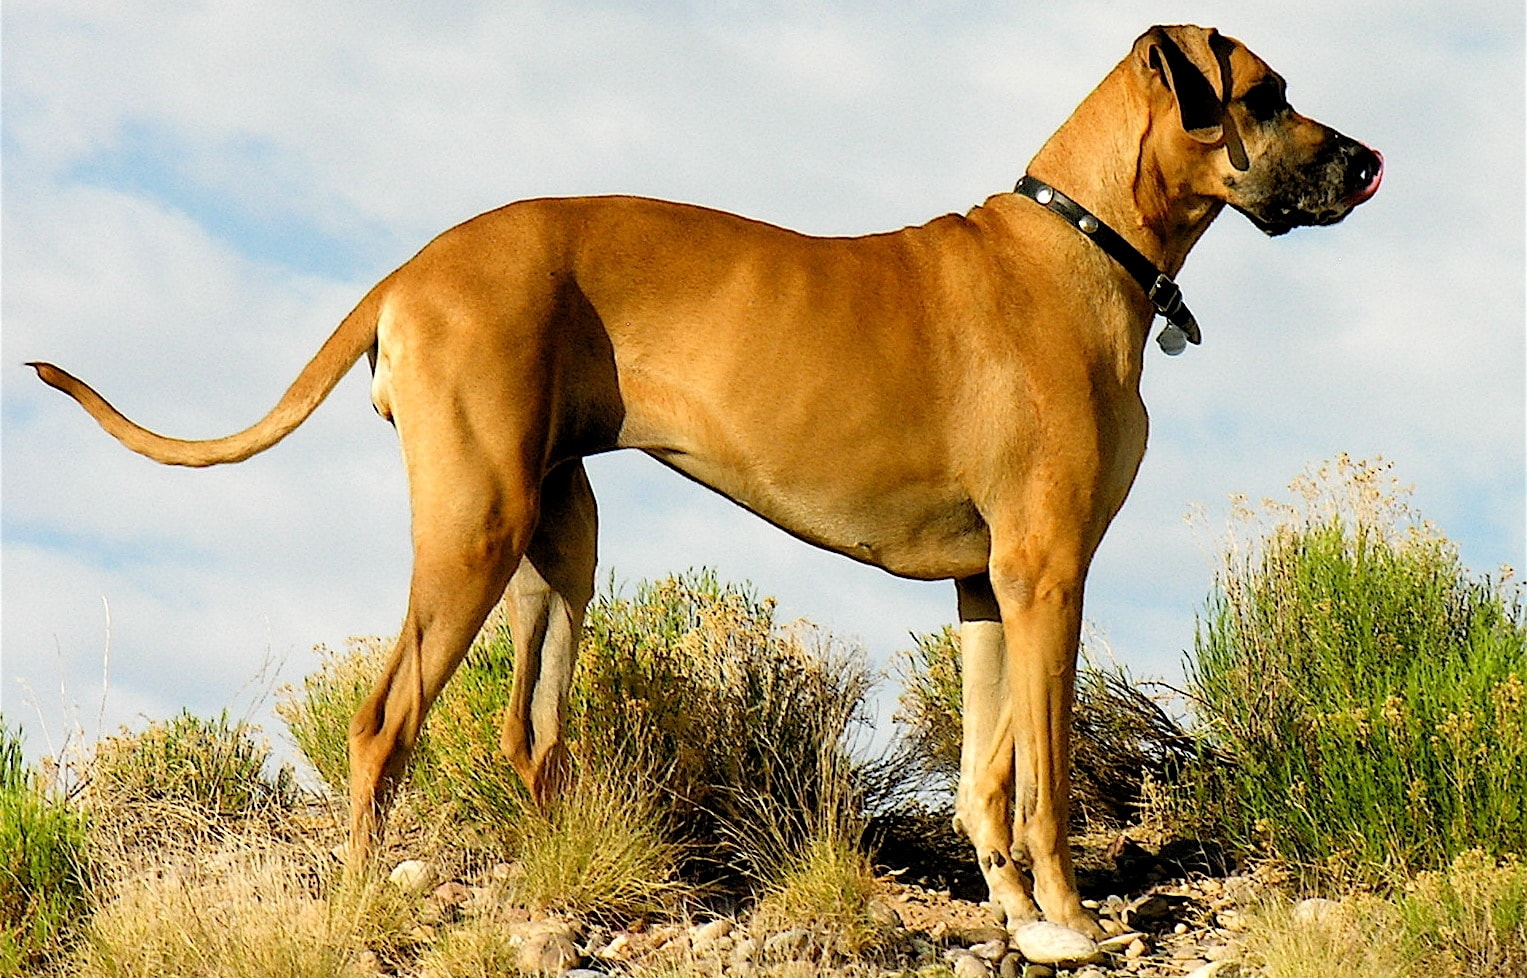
x: 957, y: 400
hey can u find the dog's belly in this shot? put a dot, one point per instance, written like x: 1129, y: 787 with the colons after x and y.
x: 911, y: 529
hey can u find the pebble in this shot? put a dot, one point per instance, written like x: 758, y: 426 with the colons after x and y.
x: 992, y: 950
x: 548, y: 952
x: 1215, y: 969
x: 704, y: 935
x: 1317, y: 910
x: 412, y: 876
x: 1032, y: 970
x: 1043, y: 942
x: 1136, y: 949
x: 967, y: 965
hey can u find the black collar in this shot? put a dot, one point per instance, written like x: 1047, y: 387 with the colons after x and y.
x: 1158, y: 286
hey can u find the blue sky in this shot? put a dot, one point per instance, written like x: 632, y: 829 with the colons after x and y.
x: 194, y: 194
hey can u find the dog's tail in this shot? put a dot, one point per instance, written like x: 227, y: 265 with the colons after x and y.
x: 354, y: 336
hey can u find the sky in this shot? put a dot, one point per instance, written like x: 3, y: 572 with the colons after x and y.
x: 195, y: 193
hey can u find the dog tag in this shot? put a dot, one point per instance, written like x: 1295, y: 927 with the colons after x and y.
x: 1172, y: 340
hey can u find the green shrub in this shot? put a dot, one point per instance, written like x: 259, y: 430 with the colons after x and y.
x: 1122, y: 739
x: 43, y: 878
x: 689, y: 686
x: 214, y: 766
x: 1368, y: 689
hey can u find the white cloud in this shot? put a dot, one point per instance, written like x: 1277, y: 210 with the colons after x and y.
x: 195, y: 194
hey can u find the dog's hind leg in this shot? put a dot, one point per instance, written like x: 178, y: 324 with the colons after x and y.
x: 547, y: 597
x: 984, y: 801
x: 471, y: 525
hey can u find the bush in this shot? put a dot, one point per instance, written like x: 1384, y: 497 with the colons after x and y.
x: 689, y: 688
x: 1121, y: 741
x: 1368, y: 689
x: 42, y: 864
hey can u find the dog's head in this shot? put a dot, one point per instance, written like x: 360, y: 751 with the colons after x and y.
x: 1228, y: 111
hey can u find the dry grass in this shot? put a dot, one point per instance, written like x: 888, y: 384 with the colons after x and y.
x: 604, y: 851
x: 1467, y: 921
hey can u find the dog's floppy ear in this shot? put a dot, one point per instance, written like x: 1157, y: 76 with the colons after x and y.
x: 1183, y: 62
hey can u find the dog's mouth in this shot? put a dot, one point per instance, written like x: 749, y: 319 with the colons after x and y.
x: 1320, y: 195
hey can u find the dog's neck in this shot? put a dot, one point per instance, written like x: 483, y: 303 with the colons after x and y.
x: 1122, y: 180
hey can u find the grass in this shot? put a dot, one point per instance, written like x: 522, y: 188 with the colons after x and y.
x: 43, y: 865
x: 701, y: 714
x: 1122, y: 738
x: 604, y: 851
x: 1368, y: 689
x: 1465, y: 921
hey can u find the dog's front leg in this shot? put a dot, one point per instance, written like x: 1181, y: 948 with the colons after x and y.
x: 984, y: 801
x: 1038, y: 589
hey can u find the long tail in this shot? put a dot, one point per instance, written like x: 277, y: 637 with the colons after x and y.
x: 354, y: 336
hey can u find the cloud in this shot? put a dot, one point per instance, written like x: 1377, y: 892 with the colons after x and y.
x: 196, y: 194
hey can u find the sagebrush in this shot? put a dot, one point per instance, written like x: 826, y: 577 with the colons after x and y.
x: 1369, y: 690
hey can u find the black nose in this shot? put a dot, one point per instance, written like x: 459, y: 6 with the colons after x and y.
x: 1365, y: 171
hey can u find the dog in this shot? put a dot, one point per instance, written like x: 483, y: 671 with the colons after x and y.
x: 959, y: 400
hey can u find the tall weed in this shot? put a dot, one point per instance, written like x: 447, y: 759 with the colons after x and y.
x: 43, y: 877
x: 1368, y: 689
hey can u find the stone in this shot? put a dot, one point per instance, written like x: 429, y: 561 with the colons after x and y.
x: 584, y: 973
x: 883, y: 914
x: 1215, y: 969
x: 788, y: 945
x: 1320, y: 911
x: 1135, y: 950
x: 1032, y: 970
x: 1012, y: 965
x: 617, y: 949
x: 1147, y: 910
x: 704, y: 935
x: 968, y: 965
x: 992, y: 950
x: 1043, y: 942
x: 1119, y: 942
x: 744, y: 951
x: 412, y: 876
x: 548, y: 953
x: 1088, y: 973
x: 452, y: 894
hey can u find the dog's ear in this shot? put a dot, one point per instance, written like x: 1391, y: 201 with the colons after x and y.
x: 1185, y: 61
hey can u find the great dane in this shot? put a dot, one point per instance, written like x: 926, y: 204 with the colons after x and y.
x: 957, y: 400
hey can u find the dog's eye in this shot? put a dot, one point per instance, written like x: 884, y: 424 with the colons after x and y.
x: 1265, y: 101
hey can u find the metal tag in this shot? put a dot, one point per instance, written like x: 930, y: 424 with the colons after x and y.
x: 1172, y: 340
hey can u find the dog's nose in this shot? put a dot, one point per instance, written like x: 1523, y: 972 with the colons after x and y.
x: 1365, y: 171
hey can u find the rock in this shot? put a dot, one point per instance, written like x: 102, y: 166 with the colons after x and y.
x: 1319, y: 911
x: 704, y: 935
x: 1032, y: 970
x: 1012, y: 965
x: 412, y: 876
x: 788, y: 945
x: 1180, y: 929
x: 452, y: 892
x: 367, y: 963
x: 1148, y: 910
x: 1088, y: 973
x: 1043, y: 942
x: 1119, y: 942
x: 744, y: 950
x: 1215, y: 969
x: 548, y: 953
x: 984, y: 934
x: 584, y: 973
x: 883, y: 913
x: 967, y: 965
x: 617, y: 948
x: 1136, y: 949
x: 992, y: 950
